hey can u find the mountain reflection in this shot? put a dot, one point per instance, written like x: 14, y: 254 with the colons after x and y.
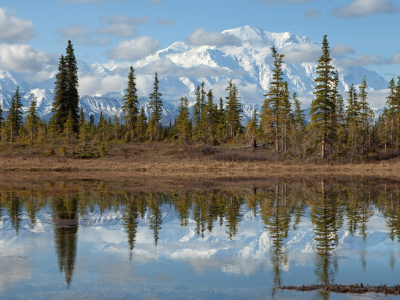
x: 331, y: 206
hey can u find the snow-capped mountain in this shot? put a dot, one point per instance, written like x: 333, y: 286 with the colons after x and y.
x: 182, y: 67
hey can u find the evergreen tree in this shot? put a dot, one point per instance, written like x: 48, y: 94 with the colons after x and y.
x: 366, y: 115
x: 69, y: 126
x: 211, y: 117
x: 115, y: 127
x: 131, y: 103
x: 1, y: 116
x: 32, y: 120
x: 222, y: 128
x: 142, y: 125
x: 338, y: 116
x: 66, y: 97
x: 233, y: 109
x: 14, y: 116
x: 199, y: 114
x: 298, y: 114
x: 182, y: 127
x: 252, y: 126
x: 60, y: 104
x: 72, y: 85
x: 155, y: 106
x: 271, y: 109
x: 323, y: 106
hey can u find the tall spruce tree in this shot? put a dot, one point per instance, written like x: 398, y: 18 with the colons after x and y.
x: 14, y: 116
x: 60, y: 105
x: 233, y: 109
x: 323, y: 105
x: 66, y: 97
x: 72, y: 86
x: 131, y: 103
x: 271, y: 109
x: 155, y: 106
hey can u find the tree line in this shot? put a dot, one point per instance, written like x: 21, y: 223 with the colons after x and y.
x: 334, y: 130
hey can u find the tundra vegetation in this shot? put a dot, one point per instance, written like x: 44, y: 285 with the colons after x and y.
x: 335, y: 132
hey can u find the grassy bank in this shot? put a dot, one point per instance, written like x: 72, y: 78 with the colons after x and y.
x: 178, y: 162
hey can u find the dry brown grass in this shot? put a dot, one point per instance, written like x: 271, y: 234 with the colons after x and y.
x: 174, y: 162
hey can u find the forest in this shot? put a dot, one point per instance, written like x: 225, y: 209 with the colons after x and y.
x: 334, y: 131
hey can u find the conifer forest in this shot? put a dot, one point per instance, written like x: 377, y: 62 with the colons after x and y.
x: 334, y: 130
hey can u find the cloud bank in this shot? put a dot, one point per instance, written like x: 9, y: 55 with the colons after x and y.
x: 200, y: 37
x: 362, y: 8
x: 15, y: 30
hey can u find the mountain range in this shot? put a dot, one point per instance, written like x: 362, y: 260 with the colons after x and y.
x: 245, y: 58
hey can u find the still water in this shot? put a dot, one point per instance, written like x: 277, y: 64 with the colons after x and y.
x: 71, y: 241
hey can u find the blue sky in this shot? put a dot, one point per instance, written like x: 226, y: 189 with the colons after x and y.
x: 38, y: 30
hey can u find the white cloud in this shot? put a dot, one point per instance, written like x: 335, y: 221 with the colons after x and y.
x: 124, y: 19
x: 133, y: 49
x: 98, y: 86
x: 165, y: 22
x: 118, y: 30
x: 200, y: 37
x: 24, y: 58
x: 300, y: 53
x: 395, y: 59
x: 312, y: 13
x: 361, y: 8
x: 340, y: 49
x: 368, y: 59
x: 14, y: 30
x: 70, y: 31
x: 360, y: 60
x: 165, y: 67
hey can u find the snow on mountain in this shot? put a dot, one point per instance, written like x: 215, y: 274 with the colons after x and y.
x: 182, y: 67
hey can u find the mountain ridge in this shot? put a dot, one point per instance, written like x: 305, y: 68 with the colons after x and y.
x: 182, y: 67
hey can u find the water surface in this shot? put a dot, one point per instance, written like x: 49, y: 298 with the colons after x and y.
x: 235, y: 243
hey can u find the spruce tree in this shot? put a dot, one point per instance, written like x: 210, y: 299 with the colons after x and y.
x: 1, y: 116
x: 131, y: 103
x: 60, y: 104
x: 233, y: 109
x: 271, y: 109
x: 210, y: 114
x: 69, y: 126
x: 155, y: 106
x: 14, y: 116
x: 298, y: 114
x: 115, y: 127
x: 66, y: 97
x: 366, y: 115
x: 182, y: 127
x: 352, y: 120
x: 72, y: 85
x: 142, y: 125
x: 32, y: 119
x: 323, y: 105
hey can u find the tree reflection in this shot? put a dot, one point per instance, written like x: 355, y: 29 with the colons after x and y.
x: 65, y: 217
x: 155, y: 216
x: 130, y: 219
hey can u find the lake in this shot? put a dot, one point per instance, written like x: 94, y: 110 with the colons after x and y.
x: 88, y: 240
